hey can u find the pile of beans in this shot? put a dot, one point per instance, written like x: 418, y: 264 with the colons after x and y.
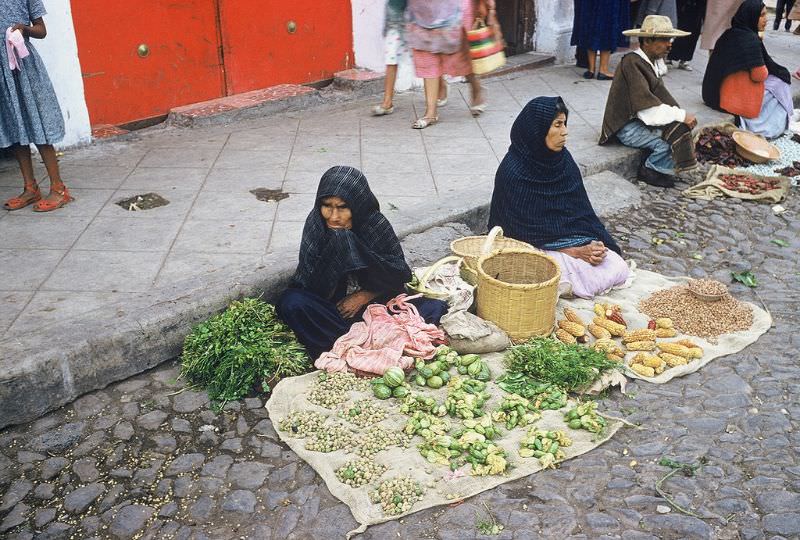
x: 694, y: 317
x: 710, y: 287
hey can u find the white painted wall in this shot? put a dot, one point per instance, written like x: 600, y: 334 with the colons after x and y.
x: 368, y: 43
x: 59, y: 50
x: 554, y: 29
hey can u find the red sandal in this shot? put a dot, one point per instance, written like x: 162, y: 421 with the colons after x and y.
x: 15, y: 203
x: 47, y: 205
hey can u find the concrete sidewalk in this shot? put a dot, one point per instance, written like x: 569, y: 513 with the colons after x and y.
x: 69, y: 274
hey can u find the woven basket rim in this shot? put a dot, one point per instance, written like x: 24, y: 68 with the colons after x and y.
x: 482, y: 238
x: 553, y: 280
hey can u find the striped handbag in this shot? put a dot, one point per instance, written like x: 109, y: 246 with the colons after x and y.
x: 486, y: 51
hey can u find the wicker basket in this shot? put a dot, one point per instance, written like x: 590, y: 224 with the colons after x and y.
x: 518, y: 291
x: 472, y: 247
x: 421, y: 287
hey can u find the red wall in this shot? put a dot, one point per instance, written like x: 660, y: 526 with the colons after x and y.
x: 202, y: 49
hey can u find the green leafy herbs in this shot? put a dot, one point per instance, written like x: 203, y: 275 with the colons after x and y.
x: 243, y: 346
x: 746, y: 277
x: 550, y: 361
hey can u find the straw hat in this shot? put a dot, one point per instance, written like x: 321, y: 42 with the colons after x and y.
x: 656, y: 26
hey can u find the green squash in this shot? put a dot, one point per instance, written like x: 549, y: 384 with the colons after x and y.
x: 382, y: 391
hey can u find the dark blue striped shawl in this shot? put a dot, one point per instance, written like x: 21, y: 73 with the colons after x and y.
x: 539, y: 195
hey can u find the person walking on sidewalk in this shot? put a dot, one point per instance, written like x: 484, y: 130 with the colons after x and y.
x: 780, y: 7
x: 741, y: 78
x: 395, y: 50
x: 668, y: 8
x: 436, y: 33
x: 717, y: 20
x: 690, y: 18
x: 794, y: 15
x: 641, y: 112
x: 29, y: 110
x: 597, y: 27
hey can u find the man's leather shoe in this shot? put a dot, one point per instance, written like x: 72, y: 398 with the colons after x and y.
x: 655, y: 178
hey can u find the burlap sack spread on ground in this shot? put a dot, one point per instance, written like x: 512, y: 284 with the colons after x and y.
x: 643, y: 286
x: 713, y: 187
x: 290, y: 395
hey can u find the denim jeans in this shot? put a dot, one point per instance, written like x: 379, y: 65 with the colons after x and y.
x: 637, y: 135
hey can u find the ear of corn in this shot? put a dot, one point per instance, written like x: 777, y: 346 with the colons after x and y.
x: 599, y: 332
x: 643, y: 334
x: 664, y: 322
x: 673, y: 360
x: 660, y: 369
x: 666, y: 332
x: 695, y: 352
x: 643, y: 370
x: 615, y: 329
x: 565, y: 337
x: 641, y: 346
x: 688, y: 343
x: 647, y: 360
x: 572, y: 316
x: 600, y: 310
x: 573, y: 328
x: 674, y: 348
x: 615, y: 358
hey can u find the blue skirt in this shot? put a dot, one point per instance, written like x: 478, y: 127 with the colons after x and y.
x: 598, y: 24
x: 29, y: 111
x: 317, y: 323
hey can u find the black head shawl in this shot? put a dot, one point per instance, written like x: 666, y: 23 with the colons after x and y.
x: 370, y: 248
x: 739, y: 49
x: 538, y: 194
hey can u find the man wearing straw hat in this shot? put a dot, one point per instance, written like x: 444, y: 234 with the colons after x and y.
x: 641, y: 112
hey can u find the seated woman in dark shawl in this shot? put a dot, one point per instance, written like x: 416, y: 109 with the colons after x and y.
x: 349, y: 257
x: 742, y: 78
x: 539, y: 198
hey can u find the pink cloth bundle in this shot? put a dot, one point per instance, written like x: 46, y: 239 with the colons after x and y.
x: 388, y: 336
x: 16, y: 48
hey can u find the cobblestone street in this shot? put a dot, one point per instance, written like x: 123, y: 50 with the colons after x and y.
x: 146, y: 458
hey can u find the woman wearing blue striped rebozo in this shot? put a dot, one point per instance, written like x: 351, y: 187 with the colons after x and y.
x: 539, y: 198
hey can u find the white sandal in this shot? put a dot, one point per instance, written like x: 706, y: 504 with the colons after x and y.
x: 379, y: 110
x: 479, y: 109
x: 422, y: 123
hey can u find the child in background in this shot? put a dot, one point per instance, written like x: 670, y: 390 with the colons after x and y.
x: 29, y: 111
x: 395, y: 48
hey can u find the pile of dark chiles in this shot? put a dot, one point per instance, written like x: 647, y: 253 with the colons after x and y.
x: 790, y: 170
x: 714, y: 146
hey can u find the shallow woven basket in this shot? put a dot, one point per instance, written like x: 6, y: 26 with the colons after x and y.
x: 472, y: 247
x: 518, y: 291
x: 754, y: 147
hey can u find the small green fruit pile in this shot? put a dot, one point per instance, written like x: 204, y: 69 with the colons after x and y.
x: 585, y: 416
x: 545, y: 446
x: 357, y: 472
x: 397, y: 495
x: 391, y: 384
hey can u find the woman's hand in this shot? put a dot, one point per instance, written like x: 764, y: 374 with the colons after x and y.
x: 23, y: 28
x: 593, y: 253
x: 36, y: 30
x: 350, y: 305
